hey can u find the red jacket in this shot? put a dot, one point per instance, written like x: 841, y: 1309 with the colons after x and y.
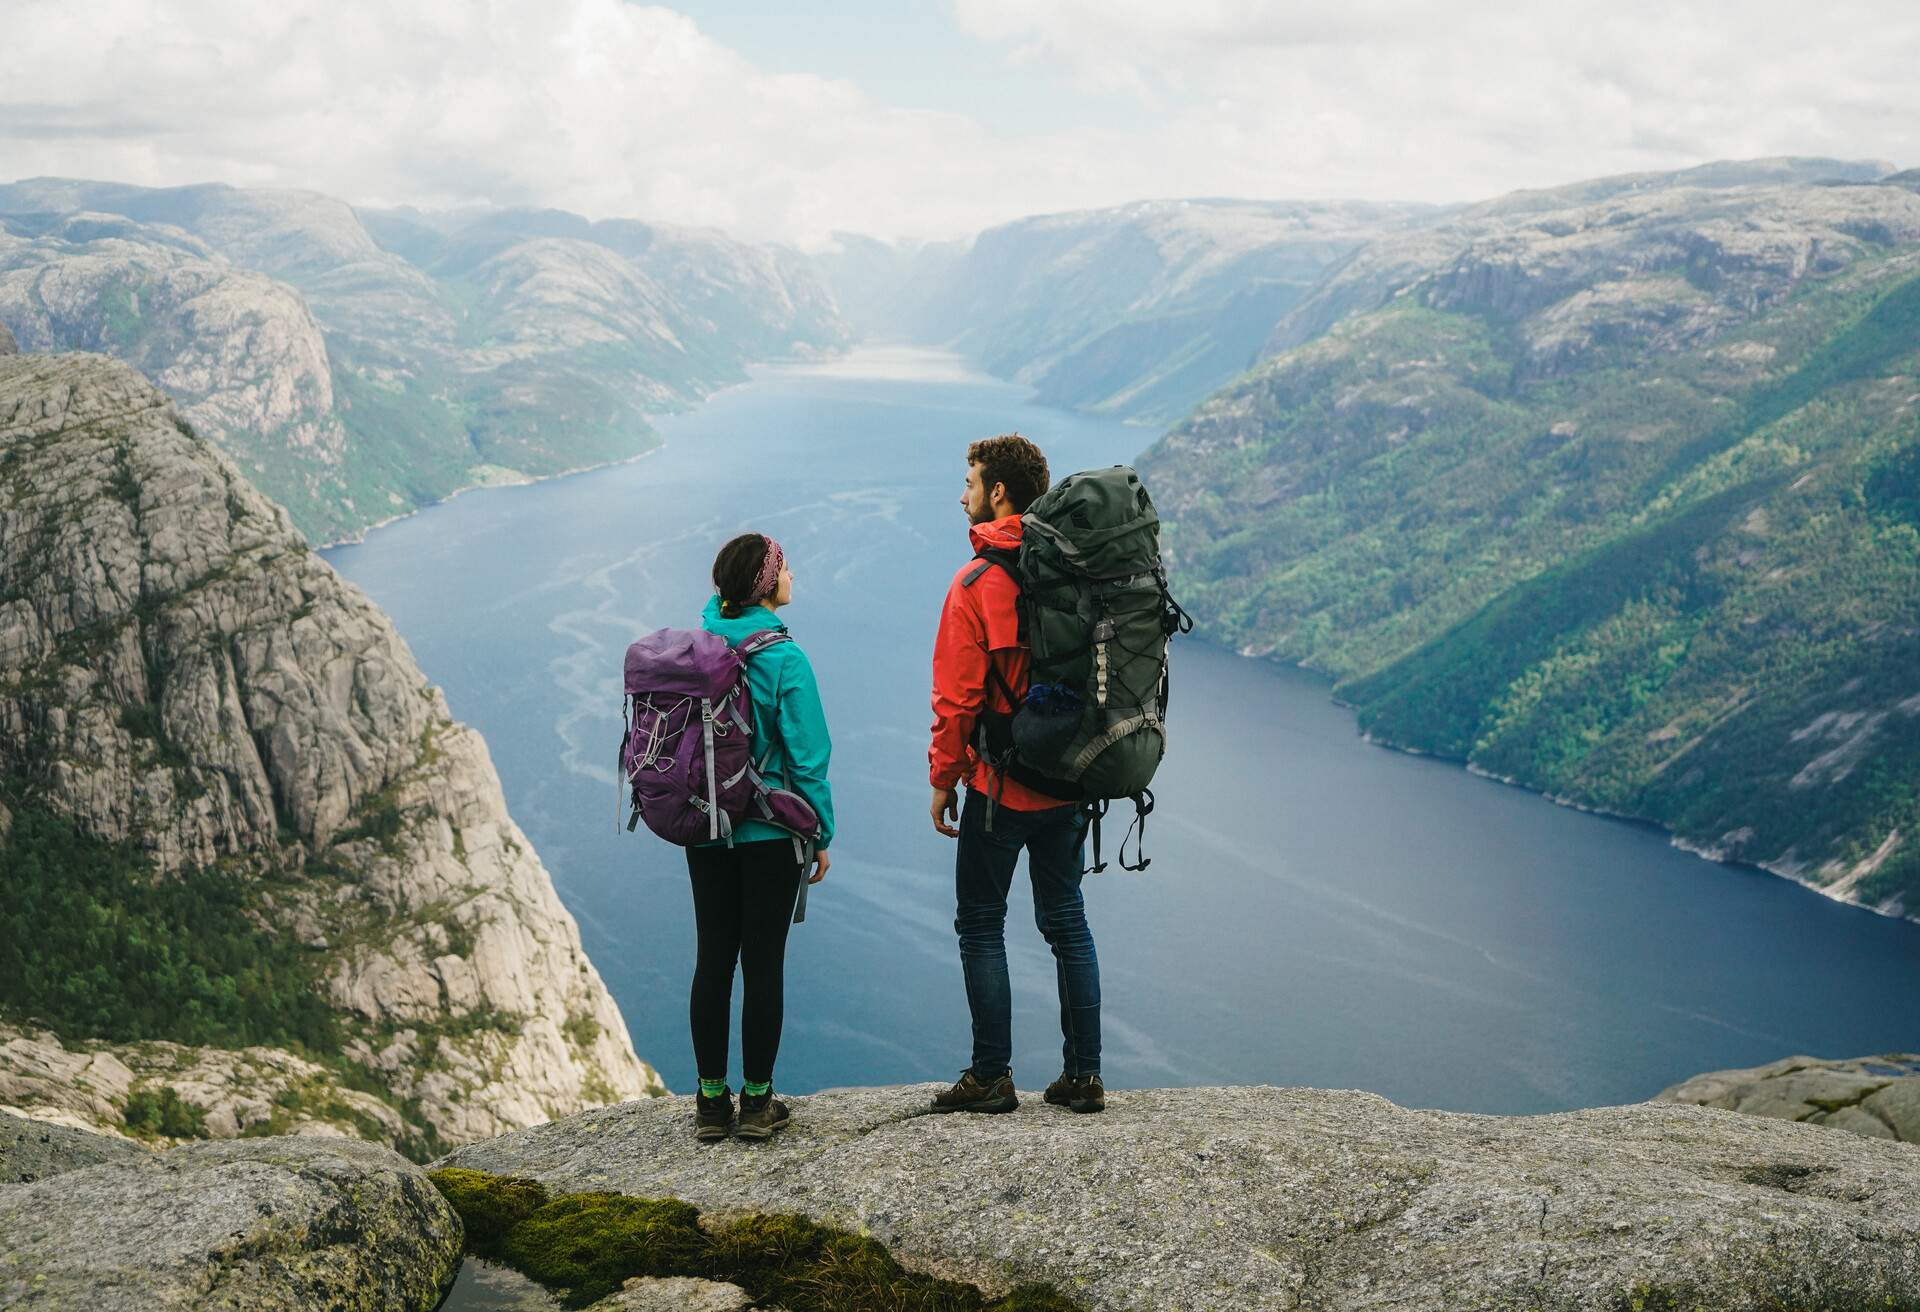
x: 978, y: 624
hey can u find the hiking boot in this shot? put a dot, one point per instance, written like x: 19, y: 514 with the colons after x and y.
x: 1080, y: 1093
x: 761, y: 1117
x: 712, y: 1117
x: 970, y: 1095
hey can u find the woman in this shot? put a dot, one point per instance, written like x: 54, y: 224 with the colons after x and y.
x: 744, y: 894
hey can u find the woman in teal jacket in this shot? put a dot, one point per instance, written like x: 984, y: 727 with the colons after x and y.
x: 744, y: 894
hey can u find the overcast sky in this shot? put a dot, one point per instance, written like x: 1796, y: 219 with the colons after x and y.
x: 934, y: 118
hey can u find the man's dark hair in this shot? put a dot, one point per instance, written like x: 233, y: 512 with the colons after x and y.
x: 1013, y: 460
x: 735, y: 570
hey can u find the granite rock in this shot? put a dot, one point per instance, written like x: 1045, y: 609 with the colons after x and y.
x: 1875, y: 1096
x: 34, y: 1150
x: 250, y: 1225
x: 180, y: 673
x: 674, y: 1294
x: 1281, y: 1198
x: 86, y: 1084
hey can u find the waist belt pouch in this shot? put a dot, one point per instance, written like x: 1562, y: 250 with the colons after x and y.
x: 791, y: 812
x: 1047, y: 722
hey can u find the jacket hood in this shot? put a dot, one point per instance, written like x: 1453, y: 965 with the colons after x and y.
x: 744, y: 626
x: 1002, y: 533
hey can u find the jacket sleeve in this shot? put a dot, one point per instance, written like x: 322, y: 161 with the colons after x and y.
x: 803, y: 730
x: 959, y: 685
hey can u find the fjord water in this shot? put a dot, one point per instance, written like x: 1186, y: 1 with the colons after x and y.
x: 1318, y: 911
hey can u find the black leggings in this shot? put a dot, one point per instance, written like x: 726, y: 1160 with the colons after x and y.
x: 742, y: 907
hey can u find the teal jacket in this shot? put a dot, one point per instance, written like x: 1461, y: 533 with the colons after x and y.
x: 786, y: 714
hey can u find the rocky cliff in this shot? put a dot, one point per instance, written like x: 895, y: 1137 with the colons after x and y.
x: 1289, y: 1198
x: 1170, y: 1199
x: 1612, y: 492
x: 222, y: 773
x: 355, y: 377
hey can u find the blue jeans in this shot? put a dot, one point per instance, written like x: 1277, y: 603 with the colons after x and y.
x: 983, y: 874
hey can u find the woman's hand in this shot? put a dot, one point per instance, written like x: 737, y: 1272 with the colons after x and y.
x: 820, y: 863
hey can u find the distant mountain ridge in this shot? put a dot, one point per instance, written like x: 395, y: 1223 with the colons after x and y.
x: 360, y: 366
x: 1136, y: 311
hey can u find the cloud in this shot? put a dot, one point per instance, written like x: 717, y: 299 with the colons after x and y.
x: 598, y: 106
x: 1417, y: 100
x: 610, y: 108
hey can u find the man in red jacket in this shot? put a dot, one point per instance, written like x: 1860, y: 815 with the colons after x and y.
x: 980, y: 666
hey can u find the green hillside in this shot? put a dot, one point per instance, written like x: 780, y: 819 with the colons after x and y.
x: 1621, y: 502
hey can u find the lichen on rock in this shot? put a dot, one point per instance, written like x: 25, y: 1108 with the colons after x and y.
x: 260, y: 1225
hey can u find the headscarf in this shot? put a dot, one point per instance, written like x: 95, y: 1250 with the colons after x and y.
x: 768, y: 581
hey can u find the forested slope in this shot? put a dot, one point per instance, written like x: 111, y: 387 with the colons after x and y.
x: 1617, y: 498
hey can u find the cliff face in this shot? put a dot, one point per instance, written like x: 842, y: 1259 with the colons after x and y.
x: 186, y: 686
x: 1611, y: 492
x: 355, y: 378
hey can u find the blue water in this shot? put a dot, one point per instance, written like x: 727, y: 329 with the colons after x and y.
x: 1318, y: 911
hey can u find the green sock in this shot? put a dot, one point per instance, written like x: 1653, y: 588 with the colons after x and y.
x: 713, y: 1088
x: 753, y: 1090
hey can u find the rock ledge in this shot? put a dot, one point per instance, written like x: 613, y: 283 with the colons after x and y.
x: 1276, y: 1198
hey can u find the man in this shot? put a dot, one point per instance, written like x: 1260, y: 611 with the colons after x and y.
x: 980, y: 665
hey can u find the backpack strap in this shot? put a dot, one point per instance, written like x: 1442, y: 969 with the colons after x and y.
x: 1093, y: 810
x: 989, y: 557
x: 1142, y: 808
x: 762, y: 640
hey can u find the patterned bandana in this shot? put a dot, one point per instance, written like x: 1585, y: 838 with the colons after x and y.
x: 769, y: 581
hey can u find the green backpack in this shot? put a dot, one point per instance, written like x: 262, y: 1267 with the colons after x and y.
x: 1096, y: 614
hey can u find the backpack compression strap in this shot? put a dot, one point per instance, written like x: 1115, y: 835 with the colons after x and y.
x: 1142, y: 808
x: 762, y: 640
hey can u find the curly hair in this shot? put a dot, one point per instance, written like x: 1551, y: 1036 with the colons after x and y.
x: 1012, y: 460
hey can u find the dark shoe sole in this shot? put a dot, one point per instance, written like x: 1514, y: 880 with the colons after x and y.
x: 991, y: 1106
x: 712, y: 1133
x: 760, y: 1131
x: 1085, y: 1106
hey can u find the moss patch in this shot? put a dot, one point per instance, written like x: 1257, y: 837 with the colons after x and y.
x: 490, y: 1205
x: 585, y: 1245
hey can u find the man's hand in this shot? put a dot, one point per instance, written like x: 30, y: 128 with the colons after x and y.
x: 820, y: 863
x: 946, y: 803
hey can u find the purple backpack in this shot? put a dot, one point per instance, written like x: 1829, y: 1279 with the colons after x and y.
x: 687, y: 750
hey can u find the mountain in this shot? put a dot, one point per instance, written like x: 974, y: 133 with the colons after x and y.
x: 1382, y: 269
x: 884, y: 288
x: 361, y: 365
x: 255, y: 875
x: 1614, y: 492
x: 1141, y: 310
